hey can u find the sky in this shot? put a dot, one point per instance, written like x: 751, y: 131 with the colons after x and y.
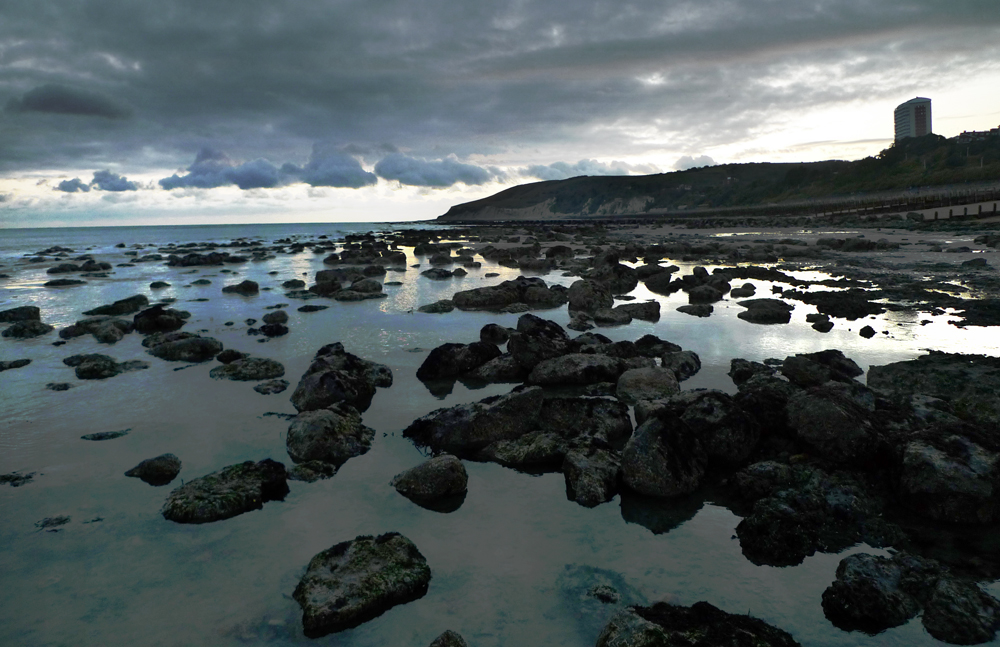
x: 130, y: 112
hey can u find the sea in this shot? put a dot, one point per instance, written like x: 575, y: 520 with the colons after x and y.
x: 511, y: 567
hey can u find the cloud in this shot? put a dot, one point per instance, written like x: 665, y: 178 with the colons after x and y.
x: 336, y: 168
x: 72, y: 186
x: 212, y: 168
x: 687, y: 162
x: 60, y: 99
x: 108, y: 181
x: 562, y: 170
x: 441, y: 173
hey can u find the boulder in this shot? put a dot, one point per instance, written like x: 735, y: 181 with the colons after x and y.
x: 15, y: 363
x: 666, y: 625
x: 20, y: 313
x: 663, y: 458
x: 765, y: 398
x: 646, y: 311
x: 121, y: 307
x: 467, y: 428
x: 684, y: 363
x: 961, y: 613
x: 703, y: 294
x: 229, y: 355
x: 589, y: 296
x: 494, y: 334
x: 611, y: 317
x: 93, y: 366
x: 536, y: 340
x: 229, y: 492
x: 697, y: 310
x: 338, y: 376
x: 653, y: 346
x: 766, y: 311
x: 358, y: 580
x: 452, y: 360
x: 182, y: 347
x: 836, y: 421
x: 603, y: 419
x: 449, y: 639
x: 498, y: 370
x: 646, y: 384
x: 366, y: 286
x: 249, y: 369
x: 332, y: 435
x: 437, y: 273
x: 275, y: 317
x: 576, y: 368
x: 271, y: 387
x: 726, y: 432
x: 27, y: 329
x: 438, y: 307
x: 592, y: 474
x: 437, y: 483
x: 246, y: 288
x: 159, y: 319
x: 741, y: 370
x: 157, y: 471
x: 531, y: 291
x: 534, y: 451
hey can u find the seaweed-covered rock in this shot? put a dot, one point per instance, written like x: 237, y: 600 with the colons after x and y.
x: 437, y: 483
x: 358, y: 580
x: 452, y: 360
x: 467, y: 428
x: 182, y: 347
x: 229, y: 492
x: 604, y: 419
x: 701, y: 624
x: 157, y: 471
x: 589, y: 296
x: 332, y: 435
x: 271, y: 387
x: 534, y: 451
x: 338, y: 376
x: 663, y: 458
x: 27, y: 329
x: 93, y: 366
x: 249, y: 369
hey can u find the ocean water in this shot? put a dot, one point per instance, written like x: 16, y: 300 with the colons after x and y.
x: 508, y: 568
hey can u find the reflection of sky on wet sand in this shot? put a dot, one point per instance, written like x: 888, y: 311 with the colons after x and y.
x: 498, y: 562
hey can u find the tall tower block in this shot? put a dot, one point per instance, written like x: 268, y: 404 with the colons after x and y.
x: 913, y: 118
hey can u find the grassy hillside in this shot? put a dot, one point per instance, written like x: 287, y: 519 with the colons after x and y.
x: 931, y: 160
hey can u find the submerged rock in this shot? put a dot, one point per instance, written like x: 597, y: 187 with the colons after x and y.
x: 667, y: 625
x: 229, y: 492
x: 157, y: 471
x: 439, y: 483
x: 358, y: 580
x: 271, y: 387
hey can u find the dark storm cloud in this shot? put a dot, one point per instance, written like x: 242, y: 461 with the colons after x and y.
x: 108, y: 181
x: 64, y: 100
x: 441, y: 173
x: 437, y: 77
x: 72, y: 186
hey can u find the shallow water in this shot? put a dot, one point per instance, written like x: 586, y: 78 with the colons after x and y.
x: 508, y: 566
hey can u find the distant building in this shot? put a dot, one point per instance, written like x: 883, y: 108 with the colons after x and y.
x: 969, y: 136
x: 913, y: 118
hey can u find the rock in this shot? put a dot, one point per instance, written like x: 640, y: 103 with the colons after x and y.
x: 970, y: 384
x: 813, y: 369
x: 467, y: 428
x: 766, y: 311
x: 592, y: 475
x: 273, y: 330
x: 182, y: 347
x: 449, y: 639
x: 836, y: 421
x: 825, y: 513
x: 332, y: 435
x: 747, y: 290
x: 20, y: 313
x: 106, y: 435
x: 158, y: 319
x: 312, y: 471
x: 535, y: 340
x: 355, y: 581
x: 499, y: 369
x: 697, y: 310
x: 947, y: 477
x: 122, y: 306
x: 577, y: 368
x: 765, y: 397
x: 271, y: 387
x: 741, y: 370
x: 611, y: 317
x: 653, y: 346
x: 494, y: 334
x: 663, y: 283
x: 589, y: 296
x: 437, y: 273
x: 63, y: 283
x: 249, y: 369
x: 452, y: 360
x: 157, y: 471
x: 646, y: 311
x: 275, y: 317
x: 726, y: 432
x: 703, y: 294
x: 338, y: 376
x: 27, y: 329
x: 312, y: 308
x: 438, y: 483
x: 93, y: 366
x: 870, y: 594
x: 683, y: 363
x: 158, y: 285
x: 663, y: 458
x: 531, y: 291
x: 603, y: 419
x: 105, y: 329
x: 666, y: 625
x: 620, y: 279
x: 867, y: 332
x: 646, y: 384
x: 438, y: 307
x: 229, y: 356
x: 294, y: 284
x: 960, y: 613
x: 367, y: 287
x: 229, y: 492
x: 15, y: 363
x: 533, y: 451
x: 246, y: 288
